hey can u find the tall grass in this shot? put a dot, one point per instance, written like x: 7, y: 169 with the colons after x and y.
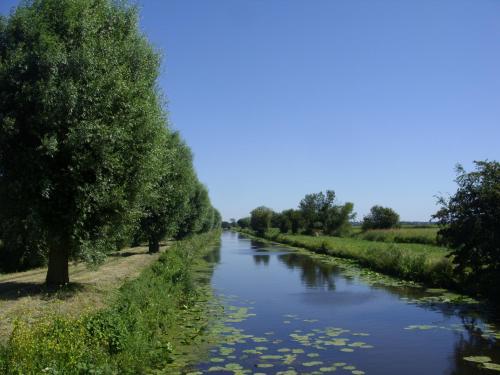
x: 152, y: 316
x: 416, y: 262
x: 426, y: 236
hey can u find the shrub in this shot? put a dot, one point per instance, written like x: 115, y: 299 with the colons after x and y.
x: 380, y: 218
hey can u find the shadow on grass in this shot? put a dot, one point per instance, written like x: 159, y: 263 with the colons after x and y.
x: 12, y: 290
x: 124, y: 254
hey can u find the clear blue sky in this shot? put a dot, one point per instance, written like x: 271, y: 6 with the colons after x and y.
x: 377, y: 100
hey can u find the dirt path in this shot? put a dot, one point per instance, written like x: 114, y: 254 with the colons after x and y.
x: 23, y: 295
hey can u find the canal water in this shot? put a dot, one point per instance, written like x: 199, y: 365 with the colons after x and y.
x: 292, y: 312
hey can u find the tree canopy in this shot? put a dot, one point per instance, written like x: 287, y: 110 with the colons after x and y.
x: 260, y: 219
x: 470, y: 225
x: 380, y: 218
x: 85, y: 148
x: 320, y: 213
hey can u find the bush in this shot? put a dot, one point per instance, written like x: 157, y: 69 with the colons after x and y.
x: 380, y: 218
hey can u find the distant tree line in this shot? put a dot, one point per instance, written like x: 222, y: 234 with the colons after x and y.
x: 317, y: 213
x: 88, y: 161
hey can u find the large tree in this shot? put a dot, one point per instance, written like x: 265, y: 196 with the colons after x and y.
x: 244, y: 222
x: 319, y: 212
x: 167, y: 201
x: 470, y: 225
x: 314, y: 208
x: 260, y: 219
x: 79, y: 118
x: 198, y: 212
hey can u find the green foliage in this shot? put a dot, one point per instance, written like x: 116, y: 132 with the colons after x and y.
x: 285, y: 222
x: 381, y: 218
x: 244, y: 222
x: 470, y: 222
x: 320, y: 214
x: 338, y: 219
x: 79, y: 118
x: 296, y: 220
x: 139, y: 333
x: 86, y: 155
x: 314, y: 209
x: 23, y: 247
x: 260, y: 219
x: 167, y: 201
x: 198, y: 216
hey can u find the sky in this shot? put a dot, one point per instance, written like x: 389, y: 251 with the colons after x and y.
x: 377, y: 100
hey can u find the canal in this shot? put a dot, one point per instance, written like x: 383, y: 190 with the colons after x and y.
x: 292, y: 312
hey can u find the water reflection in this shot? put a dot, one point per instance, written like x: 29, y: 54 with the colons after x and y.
x: 213, y: 256
x: 312, y: 273
x: 304, y: 294
x: 471, y: 343
x: 261, y: 259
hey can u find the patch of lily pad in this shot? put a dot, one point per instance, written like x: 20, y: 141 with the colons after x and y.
x: 484, y: 362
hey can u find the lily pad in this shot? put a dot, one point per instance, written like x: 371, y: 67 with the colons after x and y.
x: 422, y: 327
x: 312, y: 363
x: 478, y: 359
x: 265, y: 365
x: 233, y: 366
x: 289, y: 359
x: 328, y: 369
x: 491, y: 366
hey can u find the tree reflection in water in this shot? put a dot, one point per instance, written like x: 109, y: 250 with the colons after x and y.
x: 471, y: 343
x: 261, y: 259
x: 313, y: 274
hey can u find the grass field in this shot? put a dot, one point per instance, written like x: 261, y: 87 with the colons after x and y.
x: 410, y: 261
x: 152, y: 323
x: 24, y: 293
x: 426, y: 236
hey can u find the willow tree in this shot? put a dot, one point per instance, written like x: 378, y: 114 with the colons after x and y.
x: 167, y: 203
x: 79, y: 119
x: 195, y: 216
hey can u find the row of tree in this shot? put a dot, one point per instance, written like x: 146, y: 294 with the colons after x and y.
x: 316, y: 213
x: 88, y: 162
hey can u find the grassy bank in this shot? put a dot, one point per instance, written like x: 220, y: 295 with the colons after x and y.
x: 427, y: 236
x: 91, y: 289
x: 149, y: 325
x: 415, y: 262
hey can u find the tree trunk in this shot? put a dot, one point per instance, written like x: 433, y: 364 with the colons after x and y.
x: 154, y: 245
x: 57, y: 274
